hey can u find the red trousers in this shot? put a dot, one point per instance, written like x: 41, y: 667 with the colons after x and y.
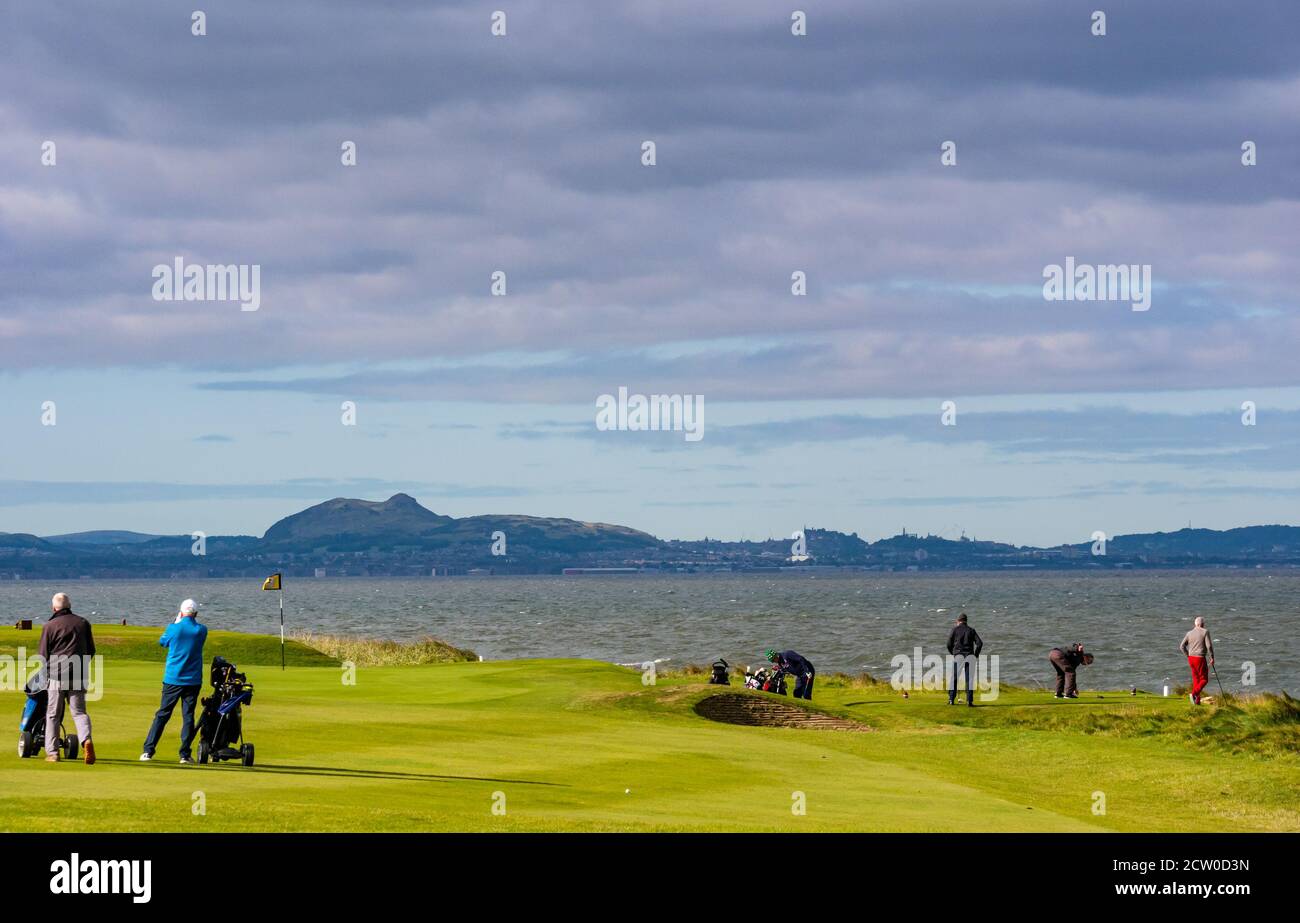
x: 1200, y: 675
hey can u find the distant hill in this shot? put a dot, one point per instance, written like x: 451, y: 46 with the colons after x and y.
x: 557, y: 535
x: 101, y: 537
x: 344, y: 524
x: 1247, y: 541
x: 23, y: 540
x: 398, y: 516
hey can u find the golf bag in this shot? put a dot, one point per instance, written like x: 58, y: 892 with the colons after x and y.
x: 719, y: 676
x: 221, y: 724
x: 766, y: 680
x: 31, y: 726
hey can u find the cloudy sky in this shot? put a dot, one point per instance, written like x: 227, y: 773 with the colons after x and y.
x: 775, y: 153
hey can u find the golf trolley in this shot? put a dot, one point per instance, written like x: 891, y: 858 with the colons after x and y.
x: 221, y: 724
x: 766, y: 680
x: 31, y: 727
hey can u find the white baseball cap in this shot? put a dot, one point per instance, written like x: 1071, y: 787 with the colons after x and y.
x: 189, y: 607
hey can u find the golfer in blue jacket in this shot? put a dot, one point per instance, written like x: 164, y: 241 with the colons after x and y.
x: 182, y: 679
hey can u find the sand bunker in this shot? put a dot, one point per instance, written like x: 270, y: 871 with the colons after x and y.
x: 764, y: 711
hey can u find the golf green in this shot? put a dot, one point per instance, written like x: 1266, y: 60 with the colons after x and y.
x: 536, y: 745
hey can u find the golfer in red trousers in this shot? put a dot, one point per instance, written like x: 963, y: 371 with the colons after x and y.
x: 1197, y: 646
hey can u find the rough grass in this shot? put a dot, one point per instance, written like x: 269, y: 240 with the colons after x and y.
x: 368, y: 652
x: 849, y: 681
x: 1262, y: 725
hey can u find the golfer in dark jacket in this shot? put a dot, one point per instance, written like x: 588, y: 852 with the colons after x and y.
x: 67, y: 645
x: 1064, y: 661
x: 798, y: 667
x: 964, y: 644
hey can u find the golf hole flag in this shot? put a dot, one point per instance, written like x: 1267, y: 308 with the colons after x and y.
x: 273, y: 583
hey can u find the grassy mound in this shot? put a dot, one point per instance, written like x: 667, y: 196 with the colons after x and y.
x: 1263, y: 725
x: 366, y: 652
x: 140, y: 643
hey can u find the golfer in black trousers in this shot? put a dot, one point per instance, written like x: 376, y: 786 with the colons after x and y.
x: 964, y: 644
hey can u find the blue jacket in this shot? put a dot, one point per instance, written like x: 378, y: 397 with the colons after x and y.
x: 184, y: 643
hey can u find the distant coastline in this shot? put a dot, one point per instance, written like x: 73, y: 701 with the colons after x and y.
x: 400, y: 538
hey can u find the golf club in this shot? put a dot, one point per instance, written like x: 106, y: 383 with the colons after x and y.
x: 1219, y: 681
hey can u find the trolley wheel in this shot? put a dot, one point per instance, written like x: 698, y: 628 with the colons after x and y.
x: 26, y: 744
x: 204, y: 751
x: 246, y: 753
x: 70, y: 745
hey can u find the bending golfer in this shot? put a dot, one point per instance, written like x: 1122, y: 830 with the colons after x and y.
x: 1065, y: 660
x: 798, y: 667
x: 182, y: 680
x: 964, y: 644
x: 1197, y: 646
x: 67, y: 645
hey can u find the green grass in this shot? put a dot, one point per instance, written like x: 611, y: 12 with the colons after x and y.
x: 578, y: 745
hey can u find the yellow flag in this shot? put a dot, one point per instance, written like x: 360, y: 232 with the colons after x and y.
x: 272, y: 582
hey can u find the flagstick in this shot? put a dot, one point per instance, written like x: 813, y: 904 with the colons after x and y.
x: 281, y: 623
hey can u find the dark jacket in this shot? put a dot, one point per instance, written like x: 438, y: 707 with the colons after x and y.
x: 790, y: 662
x: 1072, y: 657
x: 964, y: 641
x: 66, y: 635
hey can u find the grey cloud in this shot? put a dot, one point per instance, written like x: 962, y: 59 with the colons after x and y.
x: 26, y: 493
x: 1081, y: 435
x: 1204, y: 440
x: 775, y: 153
x: 1110, y: 489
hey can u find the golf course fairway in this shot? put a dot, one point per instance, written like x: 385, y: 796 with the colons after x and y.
x: 569, y: 745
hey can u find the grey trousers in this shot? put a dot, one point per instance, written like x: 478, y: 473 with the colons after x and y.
x: 1065, y: 682
x: 76, y: 699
